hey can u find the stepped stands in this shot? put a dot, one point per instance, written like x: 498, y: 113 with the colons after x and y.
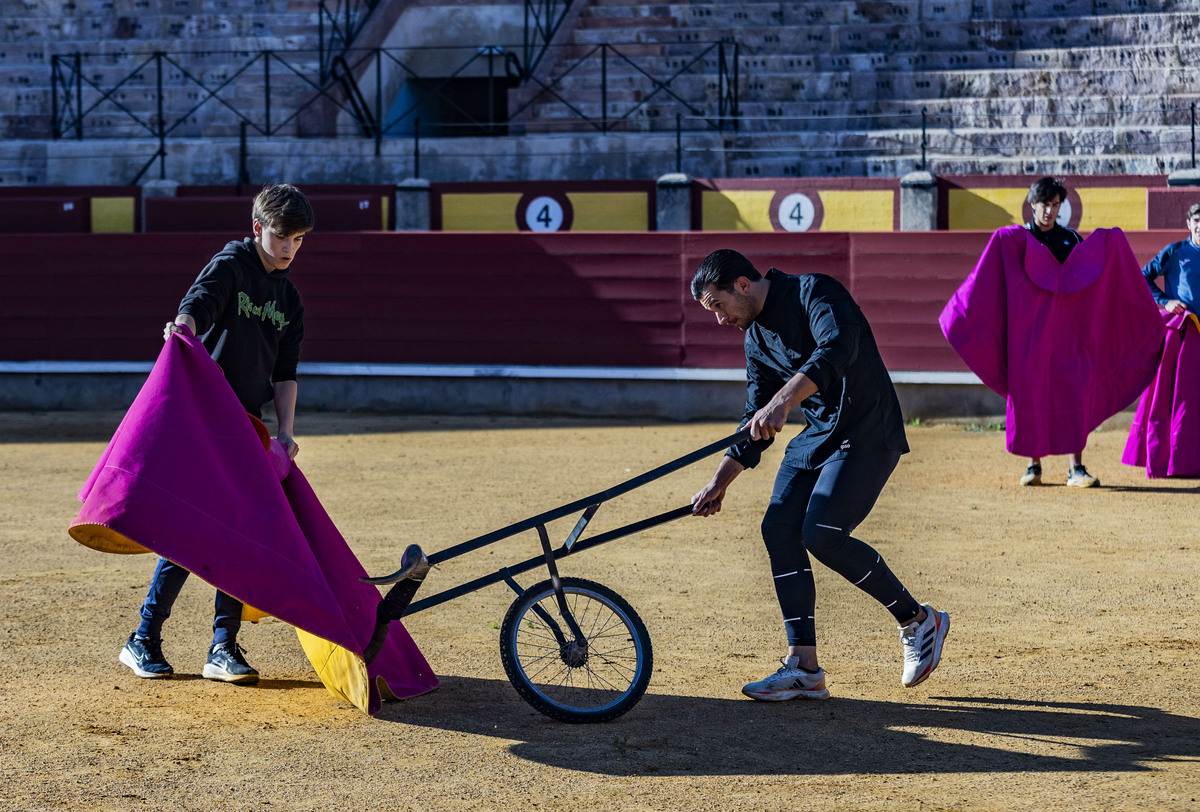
x: 207, y: 42
x: 1007, y: 78
x: 822, y: 87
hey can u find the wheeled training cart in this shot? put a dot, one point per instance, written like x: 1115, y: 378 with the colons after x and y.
x: 573, y: 649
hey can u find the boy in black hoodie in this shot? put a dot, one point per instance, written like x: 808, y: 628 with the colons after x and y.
x: 250, y: 318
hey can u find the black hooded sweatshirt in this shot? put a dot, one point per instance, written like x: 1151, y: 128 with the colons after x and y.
x: 811, y: 324
x: 250, y: 321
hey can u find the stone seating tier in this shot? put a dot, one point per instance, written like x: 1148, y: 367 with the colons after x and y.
x: 782, y: 89
x: 812, y: 12
x: 997, y: 35
x: 1136, y: 55
x: 167, y: 32
x: 1006, y: 115
x: 140, y: 8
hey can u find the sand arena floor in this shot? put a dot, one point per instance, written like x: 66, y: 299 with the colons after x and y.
x: 1070, y: 678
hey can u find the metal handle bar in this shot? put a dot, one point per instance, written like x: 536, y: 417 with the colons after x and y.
x: 540, y: 560
x: 588, y: 503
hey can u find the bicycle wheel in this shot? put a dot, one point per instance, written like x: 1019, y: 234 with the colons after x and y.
x: 595, y: 679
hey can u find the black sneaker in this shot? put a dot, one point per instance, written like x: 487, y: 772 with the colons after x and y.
x: 226, y: 663
x: 145, y: 657
x: 1033, y: 475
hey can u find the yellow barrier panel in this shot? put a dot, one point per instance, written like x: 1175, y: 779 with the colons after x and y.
x: 610, y: 211
x: 985, y: 209
x: 858, y: 209
x: 736, y: 210
x: 112, y: 215
x: 1121, y: 207
x: 480, y: 212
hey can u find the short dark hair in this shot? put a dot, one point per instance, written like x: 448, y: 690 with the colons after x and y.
x: 1193, y: 211
x: 1046, y: 189
x: 720, y: 270
x: 284, y: 209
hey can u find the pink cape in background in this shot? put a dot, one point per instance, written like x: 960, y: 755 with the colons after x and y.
x: 185, y: 476
x: 1165, y: 435
x: 1069, y: 345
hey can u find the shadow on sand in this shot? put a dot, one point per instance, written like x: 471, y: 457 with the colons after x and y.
x: 680, y: 735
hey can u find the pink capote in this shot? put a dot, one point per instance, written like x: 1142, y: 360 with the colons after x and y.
x: 1165, y: 435
x: 1069, y: 345
x: 185, y: 476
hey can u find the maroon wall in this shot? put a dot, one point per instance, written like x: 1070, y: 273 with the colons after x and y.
x: 1167, y: 208
x: 521, y: 298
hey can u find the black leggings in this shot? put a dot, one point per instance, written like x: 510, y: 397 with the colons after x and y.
x: 815, y: 511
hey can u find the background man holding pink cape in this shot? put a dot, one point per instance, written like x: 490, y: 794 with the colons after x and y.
x: 1067, y: 333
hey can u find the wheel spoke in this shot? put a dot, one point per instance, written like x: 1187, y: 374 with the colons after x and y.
x: 615, y: 652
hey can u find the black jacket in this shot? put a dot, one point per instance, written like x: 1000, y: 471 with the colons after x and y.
x: 251, y: 321
x: 1061, y: 241
x: 811, y: 324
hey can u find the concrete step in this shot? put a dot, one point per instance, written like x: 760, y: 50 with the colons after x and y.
x: 867, y: 85
x: 1001, y: 35
x: 842, y: 12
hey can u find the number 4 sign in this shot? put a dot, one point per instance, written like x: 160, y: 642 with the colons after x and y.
x: 796, y: 212
x: 544, y: 214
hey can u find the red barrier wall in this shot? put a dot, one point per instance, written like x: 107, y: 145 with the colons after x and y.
x: 231, y: 214
x: 65, y: 209
x: 523, y: 298
x: 1167, y: 208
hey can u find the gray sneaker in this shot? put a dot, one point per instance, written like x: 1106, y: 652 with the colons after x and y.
x: 226, y: 664
x: 789, y: 682
x: 145, y: 657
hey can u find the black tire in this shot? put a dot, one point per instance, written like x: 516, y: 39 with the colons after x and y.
x: 599, y: 684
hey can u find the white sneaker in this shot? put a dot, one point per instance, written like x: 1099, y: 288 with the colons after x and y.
x: 922, y: 644
x: 1079, y: 477
x: 789, y: 682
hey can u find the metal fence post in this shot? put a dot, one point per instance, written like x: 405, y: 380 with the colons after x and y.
x: 243, y: 169
x: 679, y: 143
x: 416, y: 147
x: 923, y: 139
x: 736, y: 90
x: 78, y: 96
x: 321, y: 42
x: 162, y: 124
x: 54, y: 130
x: 604, y: 87
x: 378, y: 103
x: 267, y: 91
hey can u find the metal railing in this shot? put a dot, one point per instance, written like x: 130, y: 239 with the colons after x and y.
x: 267, y: 93
x: 345, y: 20
x: 543, y: 18
x: 600, y: 88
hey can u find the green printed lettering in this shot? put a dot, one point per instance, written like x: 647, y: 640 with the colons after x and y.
x: 268, y: 312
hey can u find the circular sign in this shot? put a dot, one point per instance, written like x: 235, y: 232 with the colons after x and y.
x: 544, y: 214
x: 1064, y: 214
x: 1069, y: 213
x: 796, y: 212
